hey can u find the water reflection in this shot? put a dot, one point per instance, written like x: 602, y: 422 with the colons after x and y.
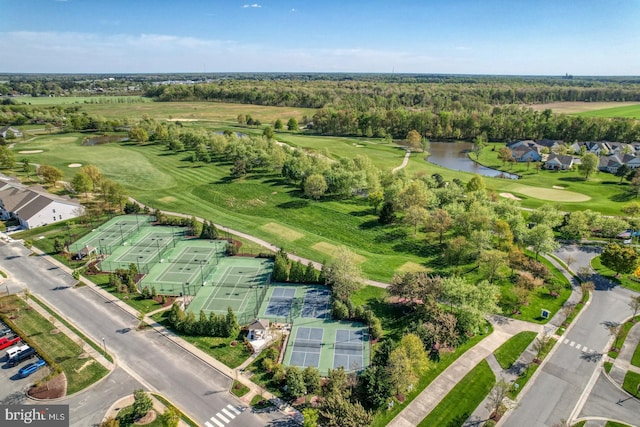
x: 454, y: 155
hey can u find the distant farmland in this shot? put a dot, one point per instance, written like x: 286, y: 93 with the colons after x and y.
x: 627, y: 111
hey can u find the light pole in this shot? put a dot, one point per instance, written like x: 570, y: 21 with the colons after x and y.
x: 104, y: 345
x: 100, y: 244
x: 138, y: 262
x: 188, y: 292
x: 121, y: 234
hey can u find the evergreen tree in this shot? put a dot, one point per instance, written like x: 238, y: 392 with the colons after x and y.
x: 232, y: 326
x: 281, y: 267
x: 310, y: 274
x: 296, y: 275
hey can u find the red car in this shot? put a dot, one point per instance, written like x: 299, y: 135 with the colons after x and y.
x: 8, y: 342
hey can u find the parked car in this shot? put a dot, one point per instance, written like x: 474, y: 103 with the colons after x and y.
x: 31, y: 368
x: 21, y: 356
x: 4, y: 331
x: 9, y: 341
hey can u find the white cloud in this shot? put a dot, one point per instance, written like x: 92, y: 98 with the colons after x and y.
x: 69, y: 52
x: 293, y: 10
x: 254, y: 6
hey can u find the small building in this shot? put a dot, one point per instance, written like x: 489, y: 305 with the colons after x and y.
x: 525, y: 154
x: 258, y: 335
x: 9, y: 130
x: 34, y: 206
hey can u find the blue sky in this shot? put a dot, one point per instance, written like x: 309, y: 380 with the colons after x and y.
x: 543, y: 37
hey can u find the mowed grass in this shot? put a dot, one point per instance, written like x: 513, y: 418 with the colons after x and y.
x: 631, y: 383
x: 627, y: 111
x: 510, y: 351
x: 282, y: 231
x: 635, y: 359
x: 548, y: 194
x: 80, y: 372
x: 412, y: 267
x: 332, y: 251
x: 463, y: 399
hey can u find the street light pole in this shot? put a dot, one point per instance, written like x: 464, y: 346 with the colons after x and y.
x: 121, y: 235
x: 201, y: 276
x: 104, y: 345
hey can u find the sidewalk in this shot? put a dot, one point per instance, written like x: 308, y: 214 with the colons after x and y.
x: 431, y: 396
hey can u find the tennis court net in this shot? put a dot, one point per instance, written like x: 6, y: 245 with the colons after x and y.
x: 302, y: 344
x: 348, y: 346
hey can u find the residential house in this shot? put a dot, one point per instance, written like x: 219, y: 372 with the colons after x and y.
x: 8, y: 130
x: 559, y: 162
x: 34, y: 206
x: 258, y: 335
x: 610, y: 163
x: 525, y: 154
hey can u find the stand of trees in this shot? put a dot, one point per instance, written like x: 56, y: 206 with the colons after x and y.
x: 215, y: 325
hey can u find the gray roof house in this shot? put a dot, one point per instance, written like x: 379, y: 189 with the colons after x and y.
x: 525, y: 154
x: 34, y: 206
x: 559, y: 162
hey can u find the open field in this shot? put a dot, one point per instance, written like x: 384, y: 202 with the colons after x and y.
x: 197, y: 111
x: 282, y: 231
x: 628, y: 111
x: 580, y: 106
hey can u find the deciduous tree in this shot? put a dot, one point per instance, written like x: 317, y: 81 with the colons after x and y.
x: 315, y: 186
x: 621, y: 259
x: 141, y: 403
x: 343, y: 273
x: 589, y: 165
x: 50, y: 174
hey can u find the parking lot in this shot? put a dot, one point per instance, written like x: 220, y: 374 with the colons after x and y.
x: 12, y: 387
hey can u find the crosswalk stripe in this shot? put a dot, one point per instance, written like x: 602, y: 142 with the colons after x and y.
x: 572, y: 344
x: 219, y: 415
x: 218, y: 423
x: 228, y: 413
x: 566, y: 340
x: 234, y: 409
x: 578, y: 347
x: 208, y: 424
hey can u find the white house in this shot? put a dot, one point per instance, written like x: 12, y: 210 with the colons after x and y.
x: 258, y: 335
x: 34, y: 206
x: 4, y: 131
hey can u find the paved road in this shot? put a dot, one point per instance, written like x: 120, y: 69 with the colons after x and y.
x: 153, y: 361
x: 565, y: 381
x: 608, y: 401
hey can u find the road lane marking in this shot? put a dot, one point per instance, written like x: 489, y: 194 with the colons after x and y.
x: 566, y: 340
x: 219, y: 415
x: 572, y: 344
x: 218, y: 423
x: 208, y: 424
x: 233, y: 408
x: 578, y: 346
x: 228, y: 413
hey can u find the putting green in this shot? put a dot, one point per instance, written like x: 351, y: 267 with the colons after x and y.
x: 550, y: 194
x: 282, y: 231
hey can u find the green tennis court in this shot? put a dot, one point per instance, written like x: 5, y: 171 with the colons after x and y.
x: 112, y: 233
x: 239, y: 283
x: 184, y: 268
x: 328, y: 344
x: 142, y: 248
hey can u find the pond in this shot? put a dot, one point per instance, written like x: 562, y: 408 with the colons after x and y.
x: 455, y: 156
x: 104, y: 139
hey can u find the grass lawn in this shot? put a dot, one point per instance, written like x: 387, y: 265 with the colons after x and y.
x: 509, y: 352
x: 166, y: 403
x: 628, y: 111
x: 80, y: 372
x: 631, y: 383
x: 239, y: 389
x: 263, y: 378
x: 635, y: 360
x: 259, y: 402
x: 622, y: 280
x: 118, y: 101
x: 615, y: 424
x: 218, y: 348
x: 622, y: 336
x: 137, y: 301
x: 463, y: 399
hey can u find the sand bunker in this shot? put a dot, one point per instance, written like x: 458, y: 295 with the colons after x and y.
x: 74, y: 165
x: 30, y: 151
x: 557, y: 187
x: 182, y: 120
x: 509, y: 196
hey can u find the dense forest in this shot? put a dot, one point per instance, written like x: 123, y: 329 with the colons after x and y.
x: 492, y: 108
